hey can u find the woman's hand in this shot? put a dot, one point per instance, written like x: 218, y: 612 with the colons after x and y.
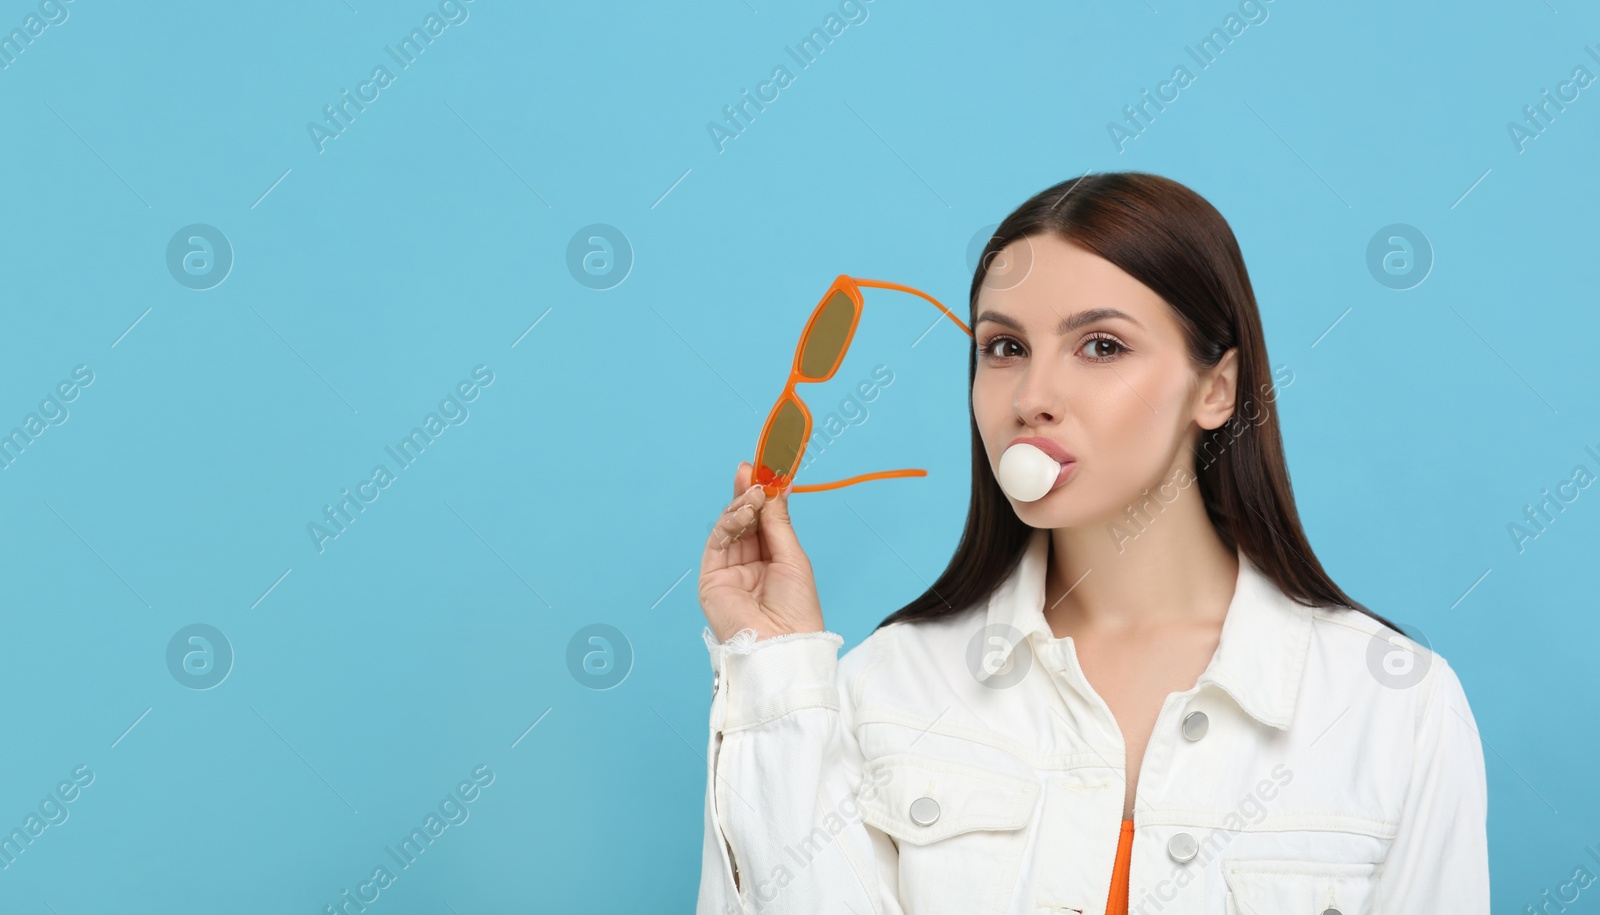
x: 753, y: 574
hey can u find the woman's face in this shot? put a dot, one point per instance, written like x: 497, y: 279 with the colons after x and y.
x: 1117, y: 392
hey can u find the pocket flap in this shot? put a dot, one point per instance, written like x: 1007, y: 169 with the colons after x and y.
x: 1278, y: 887
x: 923, y: 799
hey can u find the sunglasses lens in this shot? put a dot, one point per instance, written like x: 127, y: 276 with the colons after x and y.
x: 780, y: 447
x: 825, y: 344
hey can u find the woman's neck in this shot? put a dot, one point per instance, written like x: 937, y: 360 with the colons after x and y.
x: 1165, y: 568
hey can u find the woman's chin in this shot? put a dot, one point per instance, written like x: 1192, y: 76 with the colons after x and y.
x: 1054, y: 509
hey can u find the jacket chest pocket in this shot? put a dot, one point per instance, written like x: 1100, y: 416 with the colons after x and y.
x: 1273, y: 887
x: 959, y: 830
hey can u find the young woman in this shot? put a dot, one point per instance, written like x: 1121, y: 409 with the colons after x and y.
x: 1139, y: 693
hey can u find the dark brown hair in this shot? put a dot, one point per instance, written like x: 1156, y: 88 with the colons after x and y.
x: 1174, y: 241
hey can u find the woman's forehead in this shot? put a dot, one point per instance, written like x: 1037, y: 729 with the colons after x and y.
x: 1055, y: 279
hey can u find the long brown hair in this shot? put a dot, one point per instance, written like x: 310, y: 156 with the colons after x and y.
x: 1174, y: 241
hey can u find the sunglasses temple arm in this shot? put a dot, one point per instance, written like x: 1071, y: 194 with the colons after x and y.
x: 883, y: 284
x: 863, y: 478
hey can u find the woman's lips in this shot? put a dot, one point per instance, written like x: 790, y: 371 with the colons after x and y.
x: 1057, y: 453
x: 1048, y: 446
x: 1061, y: 478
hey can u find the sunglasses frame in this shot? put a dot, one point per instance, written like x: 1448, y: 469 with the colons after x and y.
x: 771, y: 482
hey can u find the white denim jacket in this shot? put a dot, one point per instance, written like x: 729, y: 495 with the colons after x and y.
x: 1321, y: 764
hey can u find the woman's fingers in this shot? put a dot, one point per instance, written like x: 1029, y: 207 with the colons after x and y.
x: 779, y: 532
x: 739, y: 517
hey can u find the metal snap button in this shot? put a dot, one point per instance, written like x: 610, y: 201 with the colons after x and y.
x: 1330, y: 911
x: 716, y: 680
x: 1194, y: 725
x: 924, y: 811
x: 1182, y: 847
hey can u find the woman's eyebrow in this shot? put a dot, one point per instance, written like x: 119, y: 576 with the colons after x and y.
x: 1068, y: 324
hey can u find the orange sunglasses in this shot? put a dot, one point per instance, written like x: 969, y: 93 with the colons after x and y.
x: 819, y: 354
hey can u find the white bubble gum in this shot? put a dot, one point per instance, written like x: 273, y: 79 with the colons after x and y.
x: 1027, y: 473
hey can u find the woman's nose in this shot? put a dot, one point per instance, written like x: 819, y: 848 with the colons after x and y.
x: 1038, y: 398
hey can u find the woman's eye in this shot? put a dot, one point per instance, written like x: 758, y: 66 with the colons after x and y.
x: 1102, y: 349
x: 1094, y: 349
x: 989, y: 348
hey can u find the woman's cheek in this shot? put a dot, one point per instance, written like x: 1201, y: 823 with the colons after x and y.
x: 1131, y: 435
x: 989, y: 414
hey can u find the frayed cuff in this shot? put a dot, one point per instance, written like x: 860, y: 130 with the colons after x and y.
x: 741, y: 642
x: 744, y: 641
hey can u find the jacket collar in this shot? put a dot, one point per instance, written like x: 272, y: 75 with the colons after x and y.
x: 1260, y: 656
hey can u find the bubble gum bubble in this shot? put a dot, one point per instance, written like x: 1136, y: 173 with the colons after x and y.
x: 1027, y: 473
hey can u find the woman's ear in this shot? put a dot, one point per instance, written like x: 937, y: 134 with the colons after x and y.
x: 1218, y: 391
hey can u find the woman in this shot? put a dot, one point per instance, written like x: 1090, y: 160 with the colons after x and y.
x: 1139, y: 693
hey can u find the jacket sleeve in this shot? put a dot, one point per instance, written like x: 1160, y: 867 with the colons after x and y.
x: 784, y: 785
x: 1439, y: 861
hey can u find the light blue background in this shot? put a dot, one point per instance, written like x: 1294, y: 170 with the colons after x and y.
x: 370, y: 679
